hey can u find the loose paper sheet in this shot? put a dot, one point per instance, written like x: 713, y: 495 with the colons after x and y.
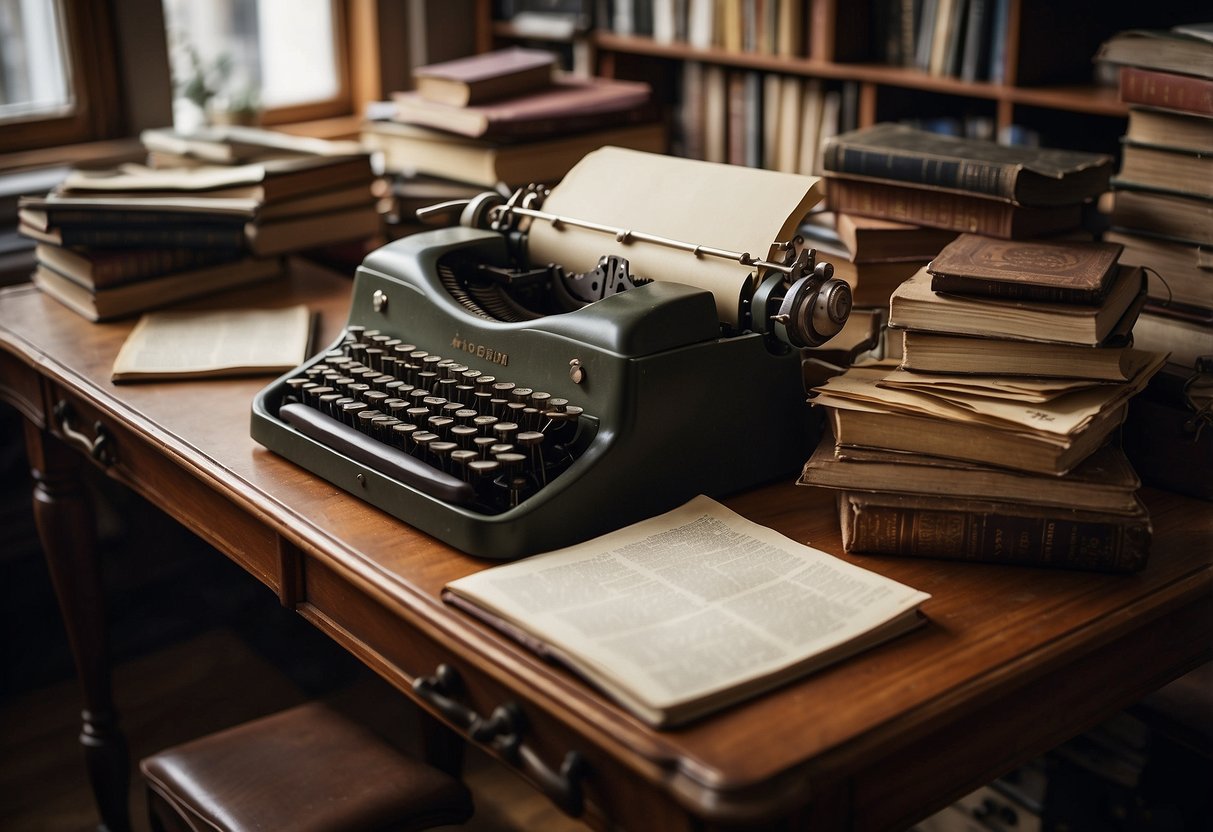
x: 722, y: 206
x: 691, y: 602
x: 1064, y: 416
x: 221, y: 342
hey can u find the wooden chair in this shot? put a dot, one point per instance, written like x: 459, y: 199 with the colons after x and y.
x: 306, y: 769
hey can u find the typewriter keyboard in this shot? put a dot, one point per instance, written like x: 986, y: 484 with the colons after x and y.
x: 458, y: 434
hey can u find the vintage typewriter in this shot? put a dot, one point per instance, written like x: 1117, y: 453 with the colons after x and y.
x: 509, y: 407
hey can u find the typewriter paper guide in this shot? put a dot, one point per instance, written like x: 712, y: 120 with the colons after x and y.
x: 723, y: 206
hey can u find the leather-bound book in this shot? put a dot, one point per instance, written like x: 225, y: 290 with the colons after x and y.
x: 897, y: 154
x: 1055, y: 272
x: 485, y: 77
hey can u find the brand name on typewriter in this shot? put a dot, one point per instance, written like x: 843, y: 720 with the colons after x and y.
x: 480, y: 351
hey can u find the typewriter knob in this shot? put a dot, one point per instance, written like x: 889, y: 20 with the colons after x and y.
x: 476, y: 213
x: 813, y: 311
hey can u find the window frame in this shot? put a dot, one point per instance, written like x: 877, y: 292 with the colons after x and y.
x: 90, y: 48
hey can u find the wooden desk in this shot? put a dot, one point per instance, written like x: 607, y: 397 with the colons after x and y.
x: 1013, y: 660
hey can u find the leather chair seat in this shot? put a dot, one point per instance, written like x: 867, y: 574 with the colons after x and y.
x: 307, y: 769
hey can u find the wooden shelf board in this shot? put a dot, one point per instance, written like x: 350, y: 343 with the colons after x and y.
x: 1085, y: 99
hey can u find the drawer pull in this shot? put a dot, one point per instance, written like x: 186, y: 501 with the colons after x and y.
x: 502, y: 731
x: 100, y: 447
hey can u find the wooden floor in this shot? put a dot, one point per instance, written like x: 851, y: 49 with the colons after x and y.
x: 207, y: 683
x: 198, y: 646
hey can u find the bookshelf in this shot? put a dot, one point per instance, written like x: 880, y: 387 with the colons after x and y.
x: 1040, y: 57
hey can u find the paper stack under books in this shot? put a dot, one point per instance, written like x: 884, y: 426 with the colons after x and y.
x: 895, y: 172
x: 508, y: 117
x: 212, y: 211
x: 993, y: 439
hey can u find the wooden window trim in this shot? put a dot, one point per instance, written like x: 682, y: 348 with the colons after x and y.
x: 91, y: 51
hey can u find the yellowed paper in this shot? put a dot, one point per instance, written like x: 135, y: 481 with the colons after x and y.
x: 723, y: 206
x: 1064, y: 416
x: 1015, y: 388
x: 221, y: 342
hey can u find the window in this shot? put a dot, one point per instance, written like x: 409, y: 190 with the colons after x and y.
x: 33, y: 63
x: 279, y: 59
x: 57, y: 73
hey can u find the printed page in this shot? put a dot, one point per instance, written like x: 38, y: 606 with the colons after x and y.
x: 694, y: 601
x: 169, y: 344
x: 721, y: 206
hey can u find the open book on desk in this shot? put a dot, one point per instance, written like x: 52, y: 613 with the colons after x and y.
x: 222, y: 342
x: 685, y: 613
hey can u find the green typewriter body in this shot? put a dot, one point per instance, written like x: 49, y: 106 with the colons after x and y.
x: 508, y: 437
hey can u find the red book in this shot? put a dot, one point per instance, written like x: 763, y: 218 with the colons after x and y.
x: 1168, y: 90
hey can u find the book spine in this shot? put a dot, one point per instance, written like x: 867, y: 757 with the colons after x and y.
x: 139, y: 264
x: 230, y: 237
x: 991, y: 536
x: 1006, y: 290
x: 970, y: 176
x: 1169, y: 91
x: 937, y: 209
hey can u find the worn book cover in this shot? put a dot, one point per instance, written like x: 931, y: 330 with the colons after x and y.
x: 1063, y: 272
x: 1166, y: 50
x: 1167, y: 169
x: 105, y: 268
x: 484, y: 77
x: 1174, y: 217
x: 408, y: 147
x: 1104, y: 481
x: 897, y: 153
x: 994, y: 532
x: 1168, y: 90
x: 139, y: 296
x: 914, y: 305
x: 570, y: 105
x: 950, y: 210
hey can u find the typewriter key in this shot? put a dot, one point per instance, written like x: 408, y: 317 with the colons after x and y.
x: 401, y: 434
x: 356, y: 332
x: 463, y: 435
x: 350, y: 411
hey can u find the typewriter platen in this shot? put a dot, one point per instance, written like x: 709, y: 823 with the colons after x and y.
x: 509, y: 409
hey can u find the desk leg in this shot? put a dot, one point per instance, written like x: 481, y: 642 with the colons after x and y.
x: 64, y: 516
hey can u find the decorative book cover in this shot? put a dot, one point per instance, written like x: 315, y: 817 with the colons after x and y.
x: 1064, y: 272
x: 993, y: 532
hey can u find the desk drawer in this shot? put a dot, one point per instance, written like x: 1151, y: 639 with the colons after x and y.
x: 19, y: 387
x: 145, y: 468
x: 543, y: 748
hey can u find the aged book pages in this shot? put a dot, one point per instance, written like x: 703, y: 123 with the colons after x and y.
x: 1062, y: 416
x: 1104, y: 481
x: 681, y: 199
x: 101, y: 304
x: 915, y: 306
x: 690, y: 611
x: 186, y: 344
x: 931, y: 352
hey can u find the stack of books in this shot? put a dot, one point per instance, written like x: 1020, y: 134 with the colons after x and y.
x: 990, y: 441
x: 508, y: 117
x: 1163, y: 195
x: 895, y: 172
x: 200, y: 218
x: 873, y: 256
